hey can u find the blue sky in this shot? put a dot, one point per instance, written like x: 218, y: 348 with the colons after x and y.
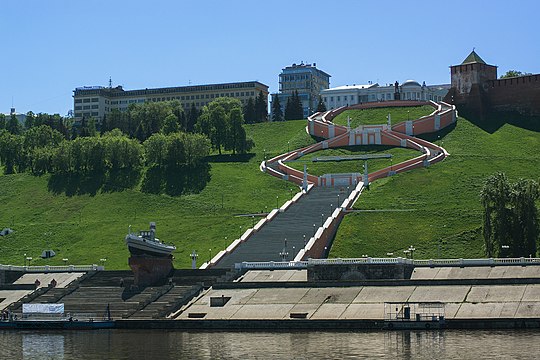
x: 50, y: 47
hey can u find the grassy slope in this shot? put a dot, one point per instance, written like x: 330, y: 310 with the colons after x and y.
x: 86, y: 228
x: 378, y: 116
x: 442, y: 202
x: 336, y: 167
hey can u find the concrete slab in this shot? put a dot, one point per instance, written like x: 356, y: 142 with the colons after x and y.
x: 498, y: 272
x: 382, y: 294
x: 225, y: 312
x: 329, y: 311
x: 7, y: 297
x: 451, y: 309
x: 486, y: 310
x: 528, y: 310
x: 364, y: 311
x: 496, y: 293
x: 443, y: 273
x: 480, y: 272
x: 299, y: 275
x: 264, y: 275
x: 532, y: 293
x: 425, y: 273
x: 333, y: 295
x: 310, y: 309
x: 62, y: 279
x: 531, y: 271
x: 446, y: 294
x: 263, y: 311
x: 277, y: 296
x: 238, y: 296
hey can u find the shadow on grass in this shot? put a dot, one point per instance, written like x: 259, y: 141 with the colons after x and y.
x: 495, y: 120
x: 91, y: 184
x: 175, y: 181
x: 431, y: 137
x: 230, y: 158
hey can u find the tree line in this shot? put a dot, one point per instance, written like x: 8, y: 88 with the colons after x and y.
x: 158, y: 135
x: 510, y: 217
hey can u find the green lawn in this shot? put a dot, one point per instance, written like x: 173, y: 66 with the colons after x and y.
x: 85, y: 228
x: 350, y: 166
x: 439, y: 204
x: 378, y: 116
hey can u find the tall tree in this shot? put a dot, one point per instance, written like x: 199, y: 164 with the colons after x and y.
x: 249, y: 111
x: 297, y: 108
x: 514, y: 73
x: 3, y: 122
x: 192, y: 118
x: 261, y: 108
x: 321, y: 107
x: 510, y: 218
x: 277, y: 114
x: 13, y: 125
x: 288, y: 109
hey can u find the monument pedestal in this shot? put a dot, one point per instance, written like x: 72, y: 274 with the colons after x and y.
x: 149, y: 271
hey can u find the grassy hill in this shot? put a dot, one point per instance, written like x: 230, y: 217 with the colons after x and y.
x: 86, y: 228
x: 437, y: 209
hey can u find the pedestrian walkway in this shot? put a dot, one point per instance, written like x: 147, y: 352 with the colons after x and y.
x: 301, y: 218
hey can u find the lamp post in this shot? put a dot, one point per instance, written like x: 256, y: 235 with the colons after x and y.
x: 264, y: 154
x: 331, y: 209
x: 24, y: 258
x: 406, y: 252
x: 505, y: 251
x: 290, y: 190
x: 102, y: 260
x: 284, y: 254
x: 338, y: 203
x: 412, y: 250
x: 314, y: 229
x: 288, y: 146
x: 194, y: 257
x: 305, y: 240
x: 252, y: 221
x: 210, y: 251
x: 322, y: 219
x: 277, y: 205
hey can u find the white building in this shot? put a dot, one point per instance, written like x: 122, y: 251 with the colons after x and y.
x: 358, y: 94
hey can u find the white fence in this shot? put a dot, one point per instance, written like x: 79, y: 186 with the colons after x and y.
x: 47, y: 268
x: 369, y: 260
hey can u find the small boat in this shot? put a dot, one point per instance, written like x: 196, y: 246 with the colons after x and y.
x: 146, y: 243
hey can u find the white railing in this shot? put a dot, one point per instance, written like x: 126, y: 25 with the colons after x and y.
x: 48, y: 268
x: 523, y: 261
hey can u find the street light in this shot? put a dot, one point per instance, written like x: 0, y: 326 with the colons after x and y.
x: 322, y: 219
x: 305, y: 240
x: 24, y: 258
x: 288, y: 146
x: 291, y: 193
x: 264, y: 154
x: 277, y: 197
x: 103, y: 260
x: 252, y: 221
x: 412, y: 250
x: 338, y: 203
x: 314, y: 229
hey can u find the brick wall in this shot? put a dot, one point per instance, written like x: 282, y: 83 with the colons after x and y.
x: 521, y: 94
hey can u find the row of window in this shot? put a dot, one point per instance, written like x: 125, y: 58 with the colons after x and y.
x: 86, y: 100
x: 86, y: 114
x: 169, y: 98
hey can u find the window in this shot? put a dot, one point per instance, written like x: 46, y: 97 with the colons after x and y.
x: 211, y: 96
x: 95, y: 99
x: 95, y: 106
x: 95, y: 114
x: 196, y: 96
x: 338, y: 98
x: 192, y: 97
x: 331, y: 98
x: 237, y: 94
x: 140, y: 100
x: 86, y: 100
x: 181, y: 98
x: 78, y: 101
x: 132, y: 101
x: 78, y: 115
x: 207, y: 96
x: 86, y: 107
x: 242, y: 93
x: 78, y: 107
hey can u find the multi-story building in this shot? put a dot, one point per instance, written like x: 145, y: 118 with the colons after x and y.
x: 97, y: 101
x: 20, y: 117
x: 357, y: 94
x: 307, y: 80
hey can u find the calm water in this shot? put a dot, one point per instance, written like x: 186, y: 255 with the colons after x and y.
x: 117, y: 344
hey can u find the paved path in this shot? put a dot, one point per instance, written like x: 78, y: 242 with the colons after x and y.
x: 293, y: 224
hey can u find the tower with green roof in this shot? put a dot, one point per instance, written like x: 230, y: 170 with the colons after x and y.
x: 469, y: 81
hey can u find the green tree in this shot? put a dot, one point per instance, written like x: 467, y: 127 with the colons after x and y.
x: 192, y: 118
x: 261, y: 108
x: 13, y: 125
x: 510, y: 218
x: 514, y: 73
x: 296, y: 105
x: 249, y: 111
x: 3, y: 122
x: 29, y: 121
x: 236, y: 135
x: 170, y: 124
x: 155, y: 148
x: 277, y: 114
x: 321, y: 107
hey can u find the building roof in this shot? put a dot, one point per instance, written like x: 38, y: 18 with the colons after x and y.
x: 411, y: 82
x: 352, y: 87
x: 473, y: 58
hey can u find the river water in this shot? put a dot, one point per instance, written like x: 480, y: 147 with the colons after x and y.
x: 157, y: 344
